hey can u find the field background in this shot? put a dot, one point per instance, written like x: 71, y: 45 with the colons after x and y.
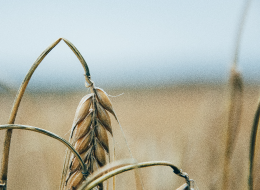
x: 183, y: 124
x: 136, y: 44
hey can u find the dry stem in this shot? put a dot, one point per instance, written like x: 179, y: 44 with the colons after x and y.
x: 235, y: 109
x: 47, y: 133
x: 8, y: 135
x: 234, y: 118
x: 252, y: 148
x: 89, y: 184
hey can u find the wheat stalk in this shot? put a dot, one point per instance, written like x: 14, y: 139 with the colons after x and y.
x: 234, y: 118
x: 97, y: 114
x: 236, y: 98
x: 253, y: 141
x: 88, y: 135
x: 120, y: 167
x: 17, y: 101
x: 47, y: 133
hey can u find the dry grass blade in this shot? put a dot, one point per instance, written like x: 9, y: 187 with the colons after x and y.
x: 235, y: 111
x: 109, y: 167
x: 79, y: 56
x: 234, y: 118
x: 240, y: 29
x: 89, y: 137
x: 8, y: 135
x: 47, y: 133
x: 252, y: 148
x: 236, y: 100
x: 183, y: 187
x: 98, y: 178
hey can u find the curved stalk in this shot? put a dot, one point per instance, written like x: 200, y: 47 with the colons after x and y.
x: 252, y: 147
x: 79, y: 56
x: 8, y: 135
x: 89, y: 184
x: 47, y: 133
x: 110, y: 167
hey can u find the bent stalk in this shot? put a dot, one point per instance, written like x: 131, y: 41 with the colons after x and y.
x: 252, y: 148
x: 20, y: 93
x: 89, y: 184
x: 47, y: 133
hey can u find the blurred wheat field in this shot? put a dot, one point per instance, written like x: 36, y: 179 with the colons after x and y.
x: 185, y: 125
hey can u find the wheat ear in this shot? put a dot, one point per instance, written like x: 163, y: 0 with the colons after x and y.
x: 89, y: 135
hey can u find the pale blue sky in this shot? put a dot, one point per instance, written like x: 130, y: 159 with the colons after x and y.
x: 127, y: 42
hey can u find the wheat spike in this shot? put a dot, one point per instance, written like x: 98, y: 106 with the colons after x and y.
x: 89, y: 136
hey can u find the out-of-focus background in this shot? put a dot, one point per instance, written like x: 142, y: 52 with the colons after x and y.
x: 170, y: 59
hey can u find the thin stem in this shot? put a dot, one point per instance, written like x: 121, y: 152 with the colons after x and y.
x: 110, y: 167
x: 50, y: 134
x: 252, y: 147
x: 12, y: 117
x: 234, y: 121
x: 235, y: 109
x: 20, y: 93
x: 240, y: 30
x: 91, y: 184
x: 79, y: 56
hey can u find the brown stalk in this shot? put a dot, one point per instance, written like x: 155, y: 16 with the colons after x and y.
x: 47, y: 133
x: 108, y: 168
x: 253, y: 141
x: 240, y: 30
x: 183, y: 187
x: 8, y: 135
x: 235, y: 108
x: 89, y: 184
x: 234, y: 118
